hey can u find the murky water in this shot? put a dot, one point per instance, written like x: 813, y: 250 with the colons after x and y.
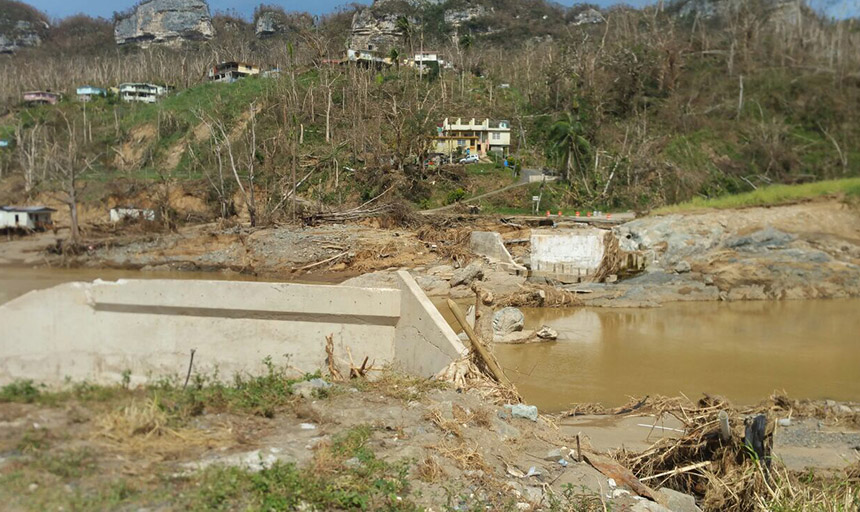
x: 744, y: 351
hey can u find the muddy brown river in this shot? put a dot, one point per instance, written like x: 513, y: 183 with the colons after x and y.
x: 742, y: 350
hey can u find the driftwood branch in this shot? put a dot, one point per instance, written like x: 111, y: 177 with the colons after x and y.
x: 482, y: 352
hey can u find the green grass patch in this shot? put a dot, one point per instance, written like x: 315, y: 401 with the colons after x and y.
x: 772, y: 195
x: 345, y: 475
x: 261, y: 395
x: 484, y: 168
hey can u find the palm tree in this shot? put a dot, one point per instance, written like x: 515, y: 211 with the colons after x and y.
x: 404, y: 26
x: 570, y: 145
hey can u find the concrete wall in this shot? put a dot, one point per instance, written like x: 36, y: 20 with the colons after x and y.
x: 98, y: 330
x: 567, y: 252
x: 424, y: 342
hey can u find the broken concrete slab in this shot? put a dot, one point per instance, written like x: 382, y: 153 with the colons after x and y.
x: 490, y: 245
x: 99, y: 331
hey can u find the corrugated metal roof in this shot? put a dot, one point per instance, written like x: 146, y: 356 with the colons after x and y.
x: 27, y: 209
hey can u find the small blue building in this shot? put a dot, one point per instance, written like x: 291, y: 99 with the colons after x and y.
x: 5, y: 143
x: 88, y: 92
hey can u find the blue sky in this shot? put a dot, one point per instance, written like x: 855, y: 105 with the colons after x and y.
x: 105, y: 8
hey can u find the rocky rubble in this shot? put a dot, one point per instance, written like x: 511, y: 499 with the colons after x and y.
x: 164, y: 21
x: 791, y: 252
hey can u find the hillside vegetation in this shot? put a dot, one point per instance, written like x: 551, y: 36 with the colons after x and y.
x: 645, y: 110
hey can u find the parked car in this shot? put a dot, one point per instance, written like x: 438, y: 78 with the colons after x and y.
x: 471, y: 159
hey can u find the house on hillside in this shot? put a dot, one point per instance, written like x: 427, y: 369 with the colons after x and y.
x: 28, y: 218
x: 118, y: 213
x: 5, y: 143
x: 367, y: 59
x: 144, y: 93
x: 42, y: 97
x: 458, y: 136
x: 232, y: 71
x: 88, y: 92
x: 428, y: 59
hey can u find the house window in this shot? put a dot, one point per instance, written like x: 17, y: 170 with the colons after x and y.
x: 460, y: 142
x: 497, y: 136
x: 16, y: 219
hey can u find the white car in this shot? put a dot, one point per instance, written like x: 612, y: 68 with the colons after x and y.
x: 471, y: 159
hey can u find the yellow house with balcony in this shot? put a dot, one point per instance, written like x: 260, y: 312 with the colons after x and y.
x: 473, y: 137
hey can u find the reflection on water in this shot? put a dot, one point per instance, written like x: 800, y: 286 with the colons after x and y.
x: 744, y: 351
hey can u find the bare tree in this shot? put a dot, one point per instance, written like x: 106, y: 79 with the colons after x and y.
x: 68, y: 165
x: 28, y: 142
x: 242, y: 164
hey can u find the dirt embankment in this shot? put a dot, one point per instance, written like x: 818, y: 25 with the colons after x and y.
x: 802, y: 251
x: 396, y: 443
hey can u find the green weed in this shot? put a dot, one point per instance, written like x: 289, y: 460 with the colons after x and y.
x: 20, y: 391
x: 772, y: 195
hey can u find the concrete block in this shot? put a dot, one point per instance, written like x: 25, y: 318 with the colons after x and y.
x: 490, y: 245
x: 569, y: 251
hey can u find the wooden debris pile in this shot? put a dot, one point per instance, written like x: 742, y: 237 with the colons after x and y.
x: 723, y: 457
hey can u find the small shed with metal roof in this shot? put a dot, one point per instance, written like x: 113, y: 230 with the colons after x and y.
x: 33, y: 218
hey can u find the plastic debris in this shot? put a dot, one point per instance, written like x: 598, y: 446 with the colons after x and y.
x: 528, y: 412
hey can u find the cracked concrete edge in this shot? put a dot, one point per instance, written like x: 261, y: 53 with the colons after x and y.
x: 424, y: 343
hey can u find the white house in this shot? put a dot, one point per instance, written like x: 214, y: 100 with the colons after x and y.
x: 367, y: 58
x: 26, y: 217
x: 145, y: 93
x: 119, y: 213
x: 232, y: 71
x: 427, y: 60
x: 473, y: 137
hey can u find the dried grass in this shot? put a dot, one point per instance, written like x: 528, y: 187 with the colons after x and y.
x: 467, y: 458
x: 450, y: 243
x: 465, y: 374
x: 145, y: 428
x: 449, y: 427
x: 429, y: 470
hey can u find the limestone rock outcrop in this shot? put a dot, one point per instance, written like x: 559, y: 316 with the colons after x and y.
x: 787, y: 11
x: 164, y: 21
x: 458, y: 17
x: 269, y: 23
x: 272, y: 22
x: 589, y: 17
x: 377, y: 27
x: 20, y: 26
